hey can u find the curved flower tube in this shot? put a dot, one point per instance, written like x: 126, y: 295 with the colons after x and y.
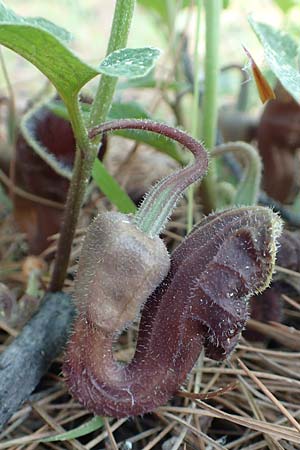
x: 200, y: 303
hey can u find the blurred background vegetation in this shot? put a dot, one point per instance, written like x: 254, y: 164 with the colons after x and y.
x: 89, y: 21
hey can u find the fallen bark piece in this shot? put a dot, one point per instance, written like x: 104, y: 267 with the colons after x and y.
x: 27, y: 359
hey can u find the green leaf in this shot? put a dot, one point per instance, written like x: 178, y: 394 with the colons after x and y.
x: 111, y: 188
x: 42, y: 43
x: 129, y: 62
x: 281, y: 53
x: 40, y: 22
x: 129, y: 110
x: 92, y: 425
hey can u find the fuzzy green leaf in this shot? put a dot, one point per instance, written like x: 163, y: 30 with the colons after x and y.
x: 42, y: 43
x: 129, y: 62
x: 281, y: 53
x: 92, y: 425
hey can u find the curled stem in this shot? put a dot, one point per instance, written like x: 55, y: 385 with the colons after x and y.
x: 161, y: 200
x: 248, y: 189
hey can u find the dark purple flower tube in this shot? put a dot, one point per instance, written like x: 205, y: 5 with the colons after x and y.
x: 201, y: 303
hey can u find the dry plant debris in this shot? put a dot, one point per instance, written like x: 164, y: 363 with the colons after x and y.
x: 250, y: 402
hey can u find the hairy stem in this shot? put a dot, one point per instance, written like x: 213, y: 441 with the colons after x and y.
x: 72, y: 209
x: 118, y: 39
x: 161, y: 200
x: 84, y: 158
x: 86, y: 151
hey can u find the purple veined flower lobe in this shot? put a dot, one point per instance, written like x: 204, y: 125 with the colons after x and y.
x: 201, y: 303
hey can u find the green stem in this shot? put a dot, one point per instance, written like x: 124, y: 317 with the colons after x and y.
x: 118, y: 39
x: 84, y: 158
x: 195, y: 112
x: 72, y: 209
x: 78, y: 126
x: 86, y: 151
x: 210, y: 106
x: 159, y: 203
